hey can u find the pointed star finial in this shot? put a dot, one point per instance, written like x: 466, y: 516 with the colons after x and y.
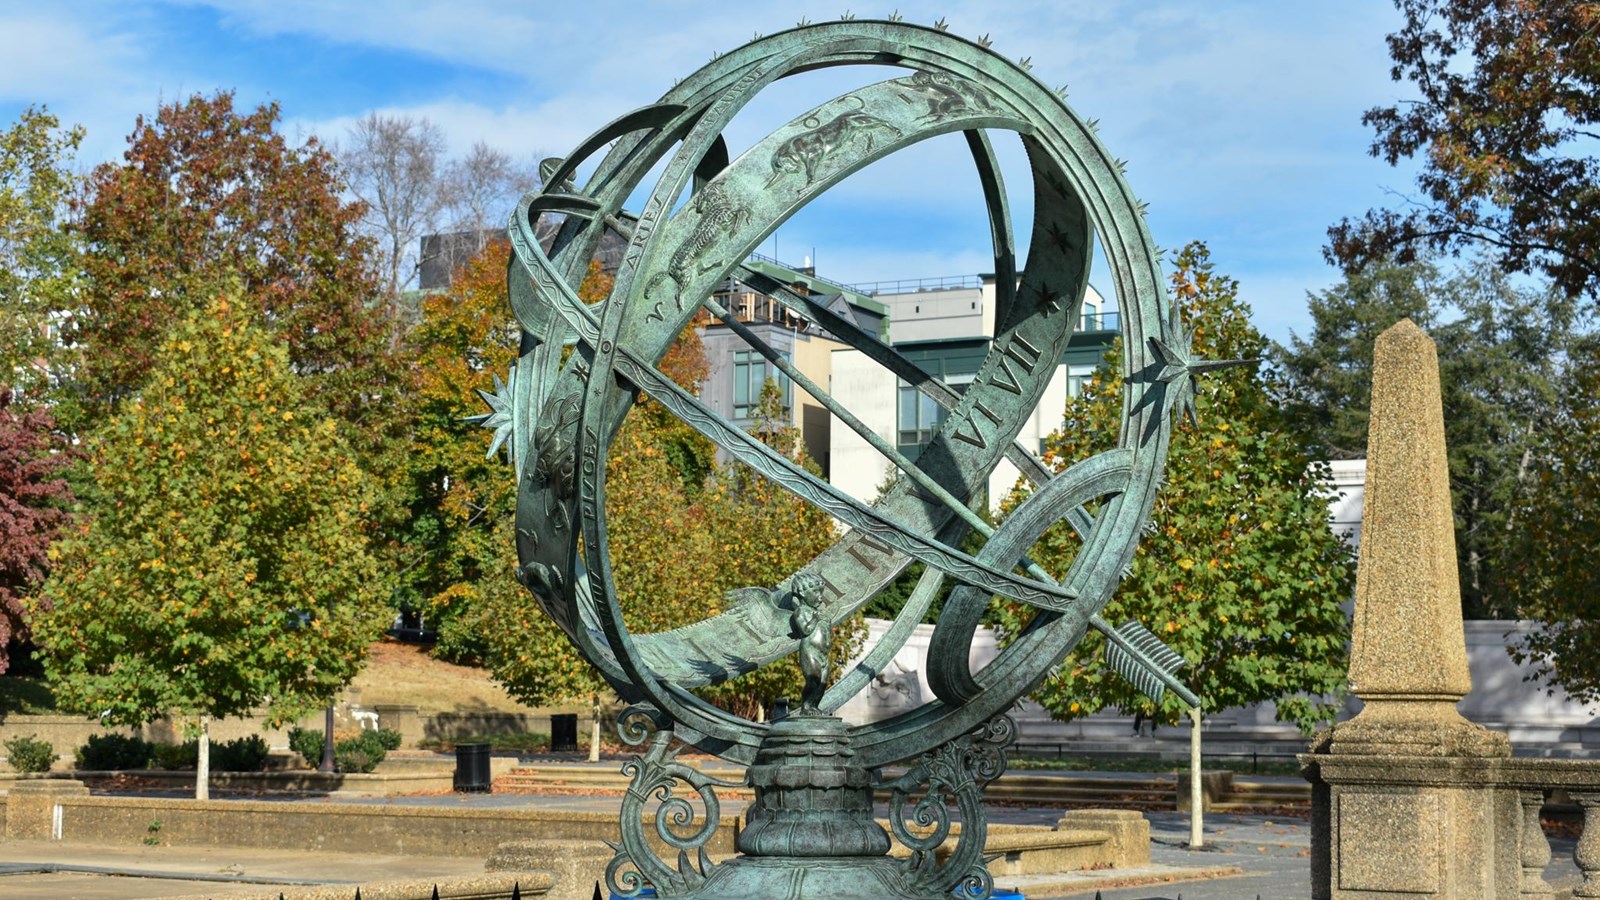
x: 1179, y: 367
x: 500, y: 416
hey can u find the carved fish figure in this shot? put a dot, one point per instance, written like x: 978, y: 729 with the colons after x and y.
x: 806, y: 151
x: 555, y: 457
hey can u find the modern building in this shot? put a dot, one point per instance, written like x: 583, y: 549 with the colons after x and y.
x: 945, y: 326
x: 738, y: 372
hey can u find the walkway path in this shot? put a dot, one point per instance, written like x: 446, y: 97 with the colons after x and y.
x: 1272, y: 852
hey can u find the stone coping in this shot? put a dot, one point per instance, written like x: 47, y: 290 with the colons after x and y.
x: 476, y: 887
x: 1521, y: 773
x: 392, y: 782
x: 354, y: 810
x: 1008, y: 841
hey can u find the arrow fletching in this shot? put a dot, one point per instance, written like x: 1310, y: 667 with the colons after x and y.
x: 1135, y: 653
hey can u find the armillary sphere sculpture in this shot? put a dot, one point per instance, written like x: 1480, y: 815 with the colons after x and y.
x: 811, y: 831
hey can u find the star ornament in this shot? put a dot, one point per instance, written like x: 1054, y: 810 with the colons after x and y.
x: 1179, y: 368
x: 501, y: 415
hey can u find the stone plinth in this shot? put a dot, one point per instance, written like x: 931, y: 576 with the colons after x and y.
x: 1404, y: 804
x: 575, y: 867
x: 31, y: 807
x: 1129, y: 833
x: 1214, y: 786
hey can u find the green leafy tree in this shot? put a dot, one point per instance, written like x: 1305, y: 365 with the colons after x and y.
x: 683, y: 531
x: 461, y: 498
x: 458, y: 548
x: 677, y: 550
x: 1551, y: 566
x: 759, y: 533
x: 38, y: 258
x: 1240, y: 572
x: 1502, y: 350
x: 210, y: 194
x: 227, y: 567
x: 1504, y: 125
x: 1328, y: 373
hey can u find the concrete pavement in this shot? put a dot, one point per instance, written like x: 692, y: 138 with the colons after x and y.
x: 1270, y: 853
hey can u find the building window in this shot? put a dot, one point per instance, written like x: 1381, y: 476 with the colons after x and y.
x: 1077, y: 377
x: 750, y: 371
x: 919, y: 416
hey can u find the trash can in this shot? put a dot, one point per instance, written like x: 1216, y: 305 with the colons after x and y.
x: 563, y: 732
x: 472, y: 768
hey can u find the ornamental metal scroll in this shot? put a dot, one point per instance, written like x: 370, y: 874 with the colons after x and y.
x: 810, y: 831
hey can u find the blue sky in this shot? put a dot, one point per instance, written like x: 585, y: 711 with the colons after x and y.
x: 1240, y: 121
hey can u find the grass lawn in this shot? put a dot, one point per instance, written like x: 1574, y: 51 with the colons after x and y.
x: 20, y: 695
x: 406, y: 674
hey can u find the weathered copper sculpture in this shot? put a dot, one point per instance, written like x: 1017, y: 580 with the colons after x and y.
x: 810, y: 832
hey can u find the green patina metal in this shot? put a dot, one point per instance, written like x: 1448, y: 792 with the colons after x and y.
x: 810, y: 832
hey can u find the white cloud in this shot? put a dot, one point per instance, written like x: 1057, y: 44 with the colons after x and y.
x: 1240, y: 120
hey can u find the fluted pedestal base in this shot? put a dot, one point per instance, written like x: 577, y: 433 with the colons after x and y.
x: 812, y: 800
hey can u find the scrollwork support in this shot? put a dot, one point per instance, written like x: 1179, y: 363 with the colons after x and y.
x: 636, y: 864
x: 957, y: 774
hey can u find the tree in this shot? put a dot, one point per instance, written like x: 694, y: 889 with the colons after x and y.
x: 1240, y: 572
x: 394, y: 164
x: 482, y: 188
x: 227, y: 566
x: 758, y: 533
x: 1329, y: 372
x: 462, y: 500
x: 207, y: 194
x: 683, y: 531
x: 1509, y: 102
x: 1551, y: 566
x: 1501, y: 353
x: 37, y: 253
x: 34, y: 504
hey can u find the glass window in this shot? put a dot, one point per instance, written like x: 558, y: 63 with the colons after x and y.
x: 919, y: 416
x: 750, y: 371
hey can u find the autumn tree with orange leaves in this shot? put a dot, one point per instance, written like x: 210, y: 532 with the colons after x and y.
x: 209, y: 194
x: 683, y: 530
x: 226, y: 567
x: 1502, y: 128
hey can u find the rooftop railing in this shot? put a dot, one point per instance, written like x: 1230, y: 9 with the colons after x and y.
x: 918, y: 285
x: 760, y: 257
x: 1106, y: 320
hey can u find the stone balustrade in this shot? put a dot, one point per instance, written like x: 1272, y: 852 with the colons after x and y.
x: 1533, y: 781
x: 1522, y: 788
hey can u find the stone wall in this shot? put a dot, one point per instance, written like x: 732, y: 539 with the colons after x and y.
x: 1503, y: 698
x: 67, y: 733
x: 336, y: 828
